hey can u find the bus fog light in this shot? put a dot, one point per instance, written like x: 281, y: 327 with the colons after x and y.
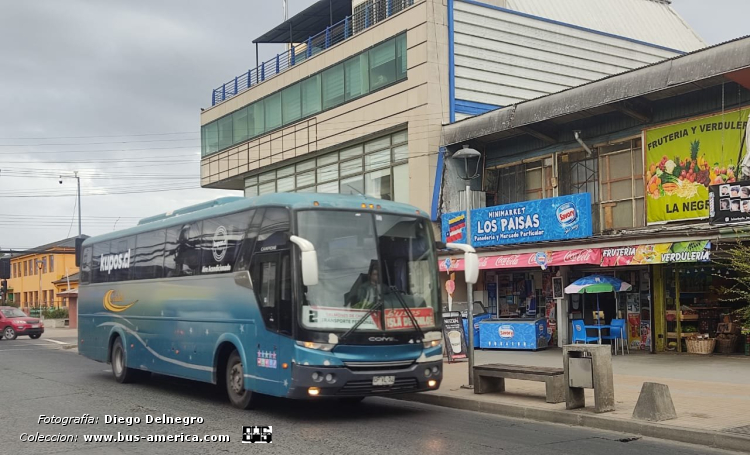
x: 313, y: 391
x: 427, y: 373
x: 431, y: 383
x: 330, y: 378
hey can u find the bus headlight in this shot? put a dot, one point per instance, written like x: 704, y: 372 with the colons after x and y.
x: 318, y: 346
x: 432, y: 343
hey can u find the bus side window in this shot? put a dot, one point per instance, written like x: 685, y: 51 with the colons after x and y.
x: 86, y: 266
x: 285, y: 300
x: 267, y: 291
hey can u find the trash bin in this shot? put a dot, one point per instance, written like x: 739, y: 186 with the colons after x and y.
x: 588, y: 366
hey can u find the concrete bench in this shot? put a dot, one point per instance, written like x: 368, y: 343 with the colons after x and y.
x: 491, y: 378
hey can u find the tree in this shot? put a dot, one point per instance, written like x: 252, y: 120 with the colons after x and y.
x: 736, y: 260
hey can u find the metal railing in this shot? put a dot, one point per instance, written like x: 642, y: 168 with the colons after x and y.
x: 363, y: 17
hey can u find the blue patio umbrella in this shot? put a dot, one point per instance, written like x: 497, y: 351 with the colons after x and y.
x: 596, y: 284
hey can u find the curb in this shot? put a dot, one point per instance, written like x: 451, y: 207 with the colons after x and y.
x: 69, y: 346
x: 713, y: 439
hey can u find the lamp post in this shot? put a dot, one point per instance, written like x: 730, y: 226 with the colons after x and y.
x: 75, y: 174
x: 468, y: 154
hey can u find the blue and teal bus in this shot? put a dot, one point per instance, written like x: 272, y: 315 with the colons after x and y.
x: 290, y: 295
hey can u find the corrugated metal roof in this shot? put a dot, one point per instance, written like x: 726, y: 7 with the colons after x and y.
x: 652, y: 21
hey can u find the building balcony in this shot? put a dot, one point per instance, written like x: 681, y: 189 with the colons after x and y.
x: 309, y: 33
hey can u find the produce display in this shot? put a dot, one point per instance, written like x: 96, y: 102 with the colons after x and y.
x: 683, y: 176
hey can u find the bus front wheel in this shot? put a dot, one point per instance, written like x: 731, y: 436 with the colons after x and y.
x: 121, y: 372
x: 235, y: 383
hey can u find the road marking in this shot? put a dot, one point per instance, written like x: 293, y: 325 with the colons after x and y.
x: 54, y: 341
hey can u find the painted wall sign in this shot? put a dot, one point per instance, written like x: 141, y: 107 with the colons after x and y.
x: 685, y: 158
x: 729, y: 203
x: 659, y: 253
x: 559, y: 218
x: 517, y: 261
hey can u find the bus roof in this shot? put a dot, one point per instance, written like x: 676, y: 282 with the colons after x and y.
x: 227, y: 205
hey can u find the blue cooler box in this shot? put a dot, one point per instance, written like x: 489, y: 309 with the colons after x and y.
x: 518, y: 334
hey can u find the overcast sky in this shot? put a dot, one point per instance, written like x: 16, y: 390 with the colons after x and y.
x: 114, y: 90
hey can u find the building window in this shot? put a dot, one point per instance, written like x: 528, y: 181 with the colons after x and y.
x: 378, y: 168
x: 519, y: 182
x: 51, y: 263
x: 579, y: 173
x: 621, y: 177
x: 44, y: 264
x: 373, y: 69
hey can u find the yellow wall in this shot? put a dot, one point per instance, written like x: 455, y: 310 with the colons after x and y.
x: 26, y: 288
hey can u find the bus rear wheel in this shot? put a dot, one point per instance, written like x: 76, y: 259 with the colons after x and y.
x: 120, y: 371
x: 235, y: 383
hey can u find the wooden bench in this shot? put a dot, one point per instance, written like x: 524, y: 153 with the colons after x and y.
x: 491, y: 378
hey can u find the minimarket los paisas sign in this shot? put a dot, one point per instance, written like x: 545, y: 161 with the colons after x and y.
x: 559, y: 218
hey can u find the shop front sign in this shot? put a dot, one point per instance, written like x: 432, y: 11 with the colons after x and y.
x: 684, y: 159
x: 729, y: 203
x: 558, y: 218
x: 527, y: 260
x: 659, y: 253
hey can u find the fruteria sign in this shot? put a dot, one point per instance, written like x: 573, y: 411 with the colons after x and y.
x: 659, y: 253
x: 559, y: 218
x: 684, y: 159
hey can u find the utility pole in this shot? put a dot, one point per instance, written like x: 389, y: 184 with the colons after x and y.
x: 78, y: 203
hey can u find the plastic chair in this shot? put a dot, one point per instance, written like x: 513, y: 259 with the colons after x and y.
x: 617, y: 332
x: 579, y: 333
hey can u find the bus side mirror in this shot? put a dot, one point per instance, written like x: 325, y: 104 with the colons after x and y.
x: 471, y: 261
x: 79, y: 250
x: 309, y: 260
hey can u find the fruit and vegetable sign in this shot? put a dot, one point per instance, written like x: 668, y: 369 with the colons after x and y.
x: 684, y: 159
x: 659, y: 253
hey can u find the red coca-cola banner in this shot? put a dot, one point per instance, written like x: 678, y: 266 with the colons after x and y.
x: 539, y: 259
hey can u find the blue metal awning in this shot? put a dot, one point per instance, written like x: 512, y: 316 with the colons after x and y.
x: 308, y: 22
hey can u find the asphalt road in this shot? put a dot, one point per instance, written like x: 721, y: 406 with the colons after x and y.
x: 41, y: 377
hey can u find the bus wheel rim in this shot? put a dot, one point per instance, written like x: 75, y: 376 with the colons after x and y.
x: 236, y: 379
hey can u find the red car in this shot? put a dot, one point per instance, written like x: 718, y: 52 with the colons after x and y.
x: 14, y: 322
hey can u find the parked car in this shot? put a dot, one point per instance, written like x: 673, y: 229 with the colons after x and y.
x: 14, y: 322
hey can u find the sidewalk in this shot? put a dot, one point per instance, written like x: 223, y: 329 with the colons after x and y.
x: 711, y: 395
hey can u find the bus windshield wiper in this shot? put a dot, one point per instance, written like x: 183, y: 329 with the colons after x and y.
x: 361, y: 321
x: 406, y: 308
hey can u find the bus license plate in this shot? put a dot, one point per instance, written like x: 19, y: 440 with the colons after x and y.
x: 383, y: 380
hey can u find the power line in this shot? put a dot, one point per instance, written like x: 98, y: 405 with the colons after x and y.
x: 102, y: 150
x: 116, y: 135
x: 99, y: 143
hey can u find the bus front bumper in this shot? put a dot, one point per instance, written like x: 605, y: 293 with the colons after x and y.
x: 345, y: 382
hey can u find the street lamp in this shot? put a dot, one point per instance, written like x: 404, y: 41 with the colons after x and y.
x: 468, y: 154
x: 75, y: 174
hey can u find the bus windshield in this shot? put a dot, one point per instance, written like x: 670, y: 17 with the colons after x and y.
x: 369, y: 263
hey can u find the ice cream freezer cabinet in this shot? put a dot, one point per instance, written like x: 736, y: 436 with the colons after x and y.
x: 518, y: 334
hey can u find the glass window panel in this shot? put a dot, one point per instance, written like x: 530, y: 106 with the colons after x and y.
x: 351, y: 167
x: 622, y: 189
x: 267, y: 176
x: 251, y: 191
x: 622, y: 214
x: 377, y: 144
x: 225, y: 132
x: 638, y: 161
x: 285, y: 184
x: 305, y: 165
x: 401, y: 183
x: 285, y: 171
x: 148, y: 258
x: 266, y: 188
x: 212, y: 138
x: 534, y: 179
x: 639, y: 215
x: 351, y: 152
x: 378, y: 184
x: 401, y: 56
x: 256, y: 119
x: 309, y: 189
x: 382, y: 64
x: 251, y: 180
x: 332, y: 187
x: 638, y: 187
x: 377, y: 159
x: 183, y: 255
x: 291, y: 102
x: 357, y: 76
x: 328, y: 159
x: 239, y: 126
x: 273, y: 111
x: 221, y: 241
x: 399, y: 137
x: 311, y: 96
x: 305, y: 179
x: 327, y: 173
x: 353, y: 185
x: 333, y: 86
x: 620, y: 166
x: 401, y: 152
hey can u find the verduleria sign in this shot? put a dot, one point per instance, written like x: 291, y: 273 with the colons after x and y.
x: 683, y: 159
